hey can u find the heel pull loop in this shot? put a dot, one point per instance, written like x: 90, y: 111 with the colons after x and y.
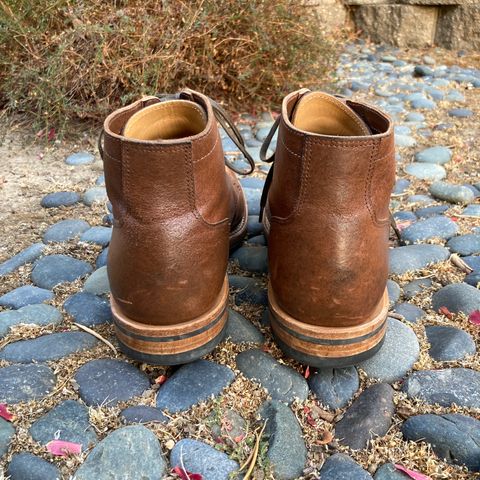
x: 231, y: 130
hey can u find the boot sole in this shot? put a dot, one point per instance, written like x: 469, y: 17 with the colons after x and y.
x: 172, y: 344
x: 328, y: 346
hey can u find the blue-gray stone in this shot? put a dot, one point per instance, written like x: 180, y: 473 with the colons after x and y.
x: 28, y: 255
x: 457, y: 297
x: 454, y: 438
x: 455, y: 96
x: 65, y: 230
x: 37, y: 314
x: 240, y: 330
x: 98, y: 235
x: 252, y: 182
x: 193, y: 383
x: 25, y: 295
x: 452, y: 193
x: 248, y: 290
x: 258, y: 240
x: 409, y: 311
x: 449, y: 343
x: 334, y: 387
x: 437, y: 154
x: 472, y: 211
x: 394, y: 291
x: 433, y: 227
x: 47, y: 347
x: 413, y: 288
x: 405, y: 216
x: 254, y: 227
x: 143, y: 414
x: 53, y: 270
x: 26, y: 466
x: 22, y: 383
x: 445, y: 387
x: 434, y: 211
x: 68, y: 421
x: 102, y: 258
x: 369, y: 416
x: 282, y: 382
x: 423, y: 104
x: 423, y: 71
x: 396, y: 357
x: 416, y: 257
x: 473, y: 262
x: 253, y: 196
x: 100, y: 181
x: 129, y: 453
x: 415, y: 117
x: 341, y: 467
x: 88, y: 309
x: 388, y: 472
x: 6, y: 433
x: 198, y: 457
x: 286, y: 447
x: 79, y: 158
x: 404, y: 141
x: 401, y: 185
x: 473, y: 279
x: 402, y: 130
x: 426, y: 171
x: 434, y: 93
x: 97, y: 283
x: 108, y: 381
x: 60, y: 199
x: 465, y: 244
x: 252, y: 258
x: 460, y: 112
x: 420, y: 199
x: 95, y: 195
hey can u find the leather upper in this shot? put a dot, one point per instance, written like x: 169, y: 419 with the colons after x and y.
x: 327, y: 217
x: 174, y: 206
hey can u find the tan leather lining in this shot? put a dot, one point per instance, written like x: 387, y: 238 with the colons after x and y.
x: 325, y: 114
x: 166, y: 120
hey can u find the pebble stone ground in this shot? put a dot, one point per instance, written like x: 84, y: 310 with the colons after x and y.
x: 416, y: 403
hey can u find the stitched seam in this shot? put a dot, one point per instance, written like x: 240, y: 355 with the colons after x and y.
x: 191, y: 194
x: 288, y: 150
x: 211, y: 150
x: 113, y: 159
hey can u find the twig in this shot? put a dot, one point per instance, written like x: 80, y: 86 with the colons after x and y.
x: 255, y: 453
x: 458, y: 262
x: 396, y: 315
x: 96, y: 335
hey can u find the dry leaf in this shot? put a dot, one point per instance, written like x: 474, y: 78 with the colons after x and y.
x: 4, y: 413
x: 325, y: 437
x: 445, y: 311
x: 412, y: 473
x: 186, y: 475
x: 60, y: 448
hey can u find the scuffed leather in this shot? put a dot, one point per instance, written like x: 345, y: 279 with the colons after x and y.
x: 174, y: 206
x: 328, y: 219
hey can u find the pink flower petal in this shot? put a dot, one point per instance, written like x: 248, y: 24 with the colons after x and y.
x: 186, y: 475
x: 474, y: 317
x: 412, y: 474
x: 60, y: 448
x: 4, y: 413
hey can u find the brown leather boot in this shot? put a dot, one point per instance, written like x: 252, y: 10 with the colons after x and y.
x: 177, y: 211
x: 327, y: 219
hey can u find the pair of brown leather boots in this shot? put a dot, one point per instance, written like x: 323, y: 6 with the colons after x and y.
x: 178, y: 211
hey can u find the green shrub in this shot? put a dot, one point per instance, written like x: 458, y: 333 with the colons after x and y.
x: 61, y: 60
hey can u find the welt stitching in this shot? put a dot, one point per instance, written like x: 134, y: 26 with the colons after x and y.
x: 211, y: 150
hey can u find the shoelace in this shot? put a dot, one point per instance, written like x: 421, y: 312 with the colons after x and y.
x: 268, y: 181
x: 222, y: 118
